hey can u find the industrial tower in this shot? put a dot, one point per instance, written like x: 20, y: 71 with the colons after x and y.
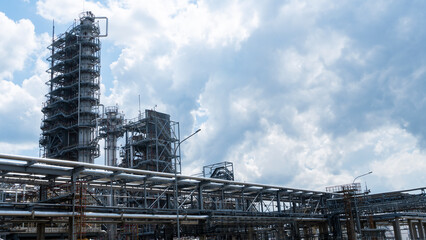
x: 70, y: 112
x: 111, y: 128
x: 152, y: 143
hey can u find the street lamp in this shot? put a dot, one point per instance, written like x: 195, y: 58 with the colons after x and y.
x: 362, y: 175
x: 358, y: 222
x: 176, y: 185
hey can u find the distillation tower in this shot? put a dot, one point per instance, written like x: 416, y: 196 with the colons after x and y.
x: 110, y: 129
x: 68, y: 126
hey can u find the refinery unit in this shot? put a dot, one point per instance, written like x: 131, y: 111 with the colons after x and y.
x: 140, y: 193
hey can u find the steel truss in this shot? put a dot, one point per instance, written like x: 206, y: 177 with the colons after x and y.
x: 69, y: 120
x: 38, y: 191
x: 141, y: 196
x: 152, y: 143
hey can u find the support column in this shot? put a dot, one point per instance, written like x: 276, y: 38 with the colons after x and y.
x: 306, y: 232
x: 243, y: 202
x: 145, y: 203
x: 323, y: 231
x: 279, y: 201
x: 397, y: 229
x: 292, y: 204
x: 412, y: 229
x: 112, y: 228
x: 295, y: 233
x: 71, y: 220
x: 250, y: 233
x: 280, y: 232
x: 424, y: 228
x: 41, y: 228
x: 200, y: 196
x: 421, y: 230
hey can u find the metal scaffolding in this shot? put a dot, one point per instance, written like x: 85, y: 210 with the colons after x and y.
x: 222, y: 170
x: 110, y: 129
x: 69, y: 118
x: 144, y: 205
x: 152, y: 143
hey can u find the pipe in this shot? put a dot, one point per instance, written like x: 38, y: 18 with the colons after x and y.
x: 146, y: 172
x: 99, y: 215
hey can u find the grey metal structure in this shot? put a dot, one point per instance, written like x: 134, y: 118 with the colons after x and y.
x: 206, y: 205
x: 152, y: 143
x: 75, y: 205
x: 69, y: 118
x: 110, y: 129
x: 222, y: 170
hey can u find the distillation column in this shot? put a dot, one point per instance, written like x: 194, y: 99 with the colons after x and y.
x: 111, y: 128
x: 68, y: 127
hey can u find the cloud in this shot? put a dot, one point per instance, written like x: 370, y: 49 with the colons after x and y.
x: 18, y: 148
x: 304, y: 94
x: 17, y: 43
x: 65, y: 11
x: 21, y: 99
x: 315, y: 160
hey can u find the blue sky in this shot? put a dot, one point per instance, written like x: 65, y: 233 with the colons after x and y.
x: 304, y: 94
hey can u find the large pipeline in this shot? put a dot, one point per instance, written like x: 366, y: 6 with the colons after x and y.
x: 99, y: 215
x: 146, y: 172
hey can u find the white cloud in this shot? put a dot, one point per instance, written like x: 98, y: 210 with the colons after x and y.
x: 17, y: 42
x: 307, y: 94
x: 17, y: 148
x: 21, y: 99
x: 65, y: 11
x: 315, y: 160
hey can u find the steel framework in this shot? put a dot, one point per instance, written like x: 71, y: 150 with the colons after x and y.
x: 110, y: 129
x: 152, y: 143
x: 144, y: 203
x: 69, y: 120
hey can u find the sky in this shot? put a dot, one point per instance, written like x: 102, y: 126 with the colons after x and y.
x: 301, y: 94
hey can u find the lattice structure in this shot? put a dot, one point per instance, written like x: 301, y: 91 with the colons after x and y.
x: 208, y: 207
x: 349, y: 191
x: 222, y: 170
x: 354, y: 188
x: 111, y: 128
x: 152, y: 143
x: 349, y: 218
x: 80, y: 209
x: 69, y: 117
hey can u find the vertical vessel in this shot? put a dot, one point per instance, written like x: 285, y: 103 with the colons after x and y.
x: 70, y: 112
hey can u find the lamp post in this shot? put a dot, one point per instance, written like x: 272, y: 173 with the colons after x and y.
x: 176, y: 185
x: 358, y: 222
x: 362, y: 175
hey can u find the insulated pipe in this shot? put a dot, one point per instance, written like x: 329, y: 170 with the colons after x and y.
x: 141, y: 216
x: 146, y: 172
x: 99, y: 215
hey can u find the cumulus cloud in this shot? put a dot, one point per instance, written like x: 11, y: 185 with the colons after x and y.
x: 21, y: 99
x: 65, y: 11
x: 17, y: 42
x: 304, y: 94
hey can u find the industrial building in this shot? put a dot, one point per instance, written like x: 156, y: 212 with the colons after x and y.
x: 140, y: 193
